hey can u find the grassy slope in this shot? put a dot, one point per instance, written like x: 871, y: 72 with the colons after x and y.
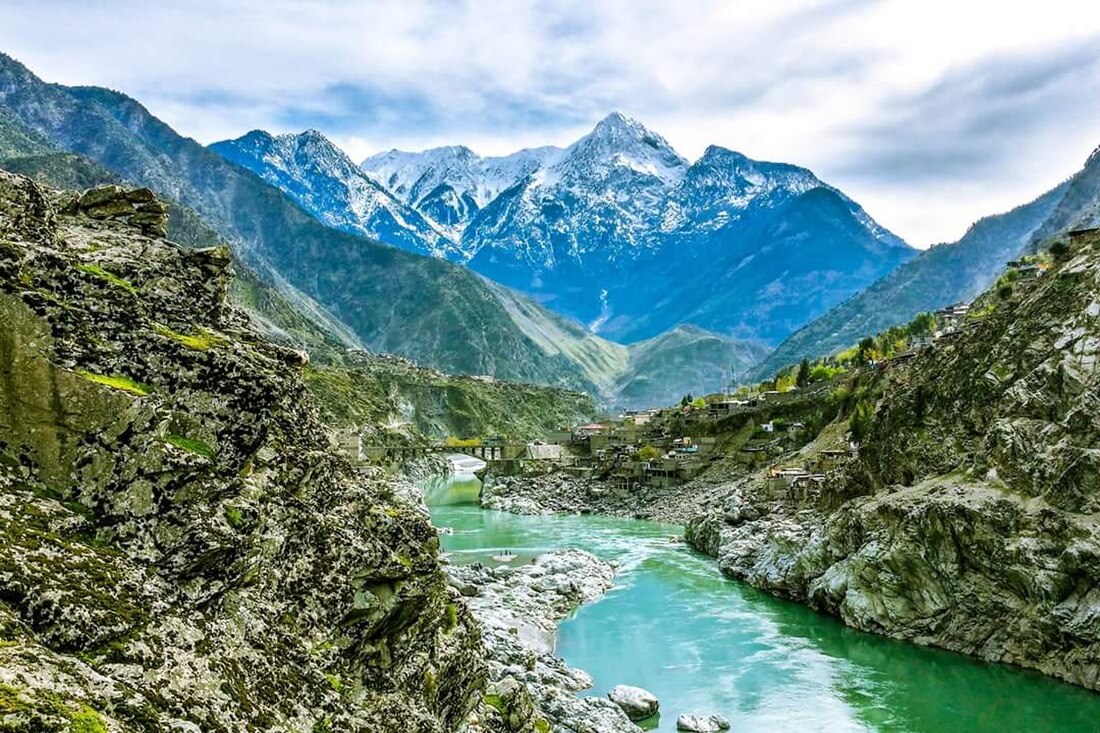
x: 369, y: 390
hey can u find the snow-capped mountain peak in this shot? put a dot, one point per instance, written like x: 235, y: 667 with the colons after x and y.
x: 617, y: 229
x: 619, y: 141
x: 322, y: 179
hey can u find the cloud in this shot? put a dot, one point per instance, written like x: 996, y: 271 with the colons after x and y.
x: 931, y: 114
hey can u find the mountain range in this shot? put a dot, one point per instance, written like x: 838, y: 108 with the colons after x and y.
x: 321, y: 282
x: 597, y: 266
x: 617, y: 231
x: 386, y: 299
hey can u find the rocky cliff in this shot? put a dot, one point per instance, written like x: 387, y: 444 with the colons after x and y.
x: 181, y: 549
x: 969, y: 519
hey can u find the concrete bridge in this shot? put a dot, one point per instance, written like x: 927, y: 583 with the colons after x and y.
x: 357, y: 449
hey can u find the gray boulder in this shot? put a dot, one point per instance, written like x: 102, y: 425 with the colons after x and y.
x: 702, y: 723
x: 638, y: 704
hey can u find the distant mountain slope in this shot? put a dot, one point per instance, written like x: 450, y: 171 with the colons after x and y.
x: 621, y: 232
x: 684, y: 360
x: 1080, y: 207
x: 939, y: 276
x: 325, y: 182
x: 422, y: 308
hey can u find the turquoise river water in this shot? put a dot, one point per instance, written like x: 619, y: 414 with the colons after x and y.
x: 702, y: 643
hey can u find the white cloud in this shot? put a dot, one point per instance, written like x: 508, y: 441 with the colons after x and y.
x: 862, y: 91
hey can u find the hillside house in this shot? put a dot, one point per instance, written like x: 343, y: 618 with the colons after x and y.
x: 787, y: 476
x: 1087, y: 236
x: 561, y: 436
x: 951, y: 317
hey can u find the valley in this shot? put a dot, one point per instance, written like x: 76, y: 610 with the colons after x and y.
x: 379, y: 377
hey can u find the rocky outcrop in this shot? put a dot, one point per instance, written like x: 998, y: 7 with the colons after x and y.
x: 137, y: 207
x: 519, y: 608
x: 969, y: 519
x: 694, y: 723
x: 180, y: 549
x: 638, y: 704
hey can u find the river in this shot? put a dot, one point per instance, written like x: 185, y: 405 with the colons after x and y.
x: 702, y: 643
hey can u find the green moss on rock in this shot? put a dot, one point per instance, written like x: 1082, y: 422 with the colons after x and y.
x: 191, y: 445
x: 117, y: 381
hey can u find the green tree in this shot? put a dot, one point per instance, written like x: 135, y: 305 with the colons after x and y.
x: 866, y: 350
x: 698, y: 402
x: 803, y: 373
x: 685, y: 400
x: 922, y: 325
x: 1060, y: 250
x: 859, y: 424
x: 647, y: 453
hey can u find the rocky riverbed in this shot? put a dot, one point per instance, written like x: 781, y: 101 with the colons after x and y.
x: 519, y: 608
x: 562, y: 493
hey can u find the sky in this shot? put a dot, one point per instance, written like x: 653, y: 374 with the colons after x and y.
x: 930, y: 113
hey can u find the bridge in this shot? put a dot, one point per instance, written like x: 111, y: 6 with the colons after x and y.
x: 357, y: 449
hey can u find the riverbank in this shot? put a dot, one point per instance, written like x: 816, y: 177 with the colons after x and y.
x: 562, y: 493
x: 705, y: 644
x: 955, y: 562
x: 530, y: 689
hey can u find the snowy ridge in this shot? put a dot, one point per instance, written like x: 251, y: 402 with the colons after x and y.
x: 324, y: 181
x: 617, y: 230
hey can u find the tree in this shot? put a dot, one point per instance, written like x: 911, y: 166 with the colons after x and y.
x: 866, y: 350
x: 699, y: 402
x: 922, y: 325
x: 685, y: 400
x: 803, y: 373
x: 647, y: 453
x: 1060, y: 250
x: 859, y: 424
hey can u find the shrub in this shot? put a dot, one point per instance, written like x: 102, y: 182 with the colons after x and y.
x: 1060, y: 250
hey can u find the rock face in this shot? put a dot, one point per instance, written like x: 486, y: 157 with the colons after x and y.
x: 968, y: 520
x: 519, y: 609
x: 638, y: 704
x: 182, y: 551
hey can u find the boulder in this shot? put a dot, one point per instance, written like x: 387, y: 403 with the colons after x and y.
x: 638, y: 704
x: 702, y: 723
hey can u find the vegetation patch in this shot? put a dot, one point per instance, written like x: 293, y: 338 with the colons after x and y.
x: 234, y: 516
x: 88, y: 721
x: 191, y: 445
x: 10, y: 701
x: 203, y: 340
x: 107, y: 276
x: 118, y: 381
x: 451, y: 618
